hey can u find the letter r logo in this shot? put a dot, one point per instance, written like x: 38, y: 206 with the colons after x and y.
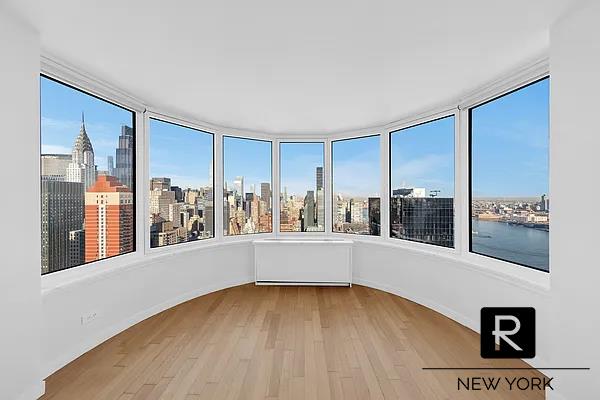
x: 500, y: 334
x: 507, y: 332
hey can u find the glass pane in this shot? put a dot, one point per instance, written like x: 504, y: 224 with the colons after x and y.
x: 87, y: 177
x: 181, y: 184
x: 302, y: 191
x: 509, y: 177
x: 247, y: 197
x: 356, y: 181
x: 422, y: 183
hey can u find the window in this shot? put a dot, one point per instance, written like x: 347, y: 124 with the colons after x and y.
x: 247, y: 194
x: 422, y: 183
x: 356, y: 182
x: 87, y: 154
x: 181, y: 184
x: 302, y: 187
x: 509, y: 198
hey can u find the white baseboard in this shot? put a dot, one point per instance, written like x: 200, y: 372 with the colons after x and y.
x: 462, y: 319
x: 113, y: 330
x: 34, y: 391
x: 452, y: 314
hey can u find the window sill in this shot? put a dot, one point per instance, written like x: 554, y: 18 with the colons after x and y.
x: 101, y: 269
x: 526, y: 278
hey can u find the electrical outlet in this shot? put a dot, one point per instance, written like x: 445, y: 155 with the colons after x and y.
x: 86, y: 319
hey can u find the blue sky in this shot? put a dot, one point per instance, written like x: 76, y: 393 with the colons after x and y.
x: 510, y: 144
x: 423, y: 157
x: 61, y: 109
x: 357, y: 167
x: 180, y: 153
x: 509, y: 148
x: 298, y: 169
x: 248, y: 158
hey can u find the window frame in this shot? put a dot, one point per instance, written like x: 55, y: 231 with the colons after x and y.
x: 531, y: 279
x: 469, y: 197
x: 332, y: 194
x: 425, y: 119
x: 293, y: 139
x: 246, y: 236
x: 98, y: 95
x: 149, y: 115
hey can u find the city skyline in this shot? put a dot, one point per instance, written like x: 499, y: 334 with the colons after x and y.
x: 350, y: 157
x: 87, y: 213
x: 183, y: 154
x: 298, y: 161
x: 181, y: 167
x: 61, y: 107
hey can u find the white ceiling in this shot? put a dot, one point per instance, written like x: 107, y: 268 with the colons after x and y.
x: 311, y: 66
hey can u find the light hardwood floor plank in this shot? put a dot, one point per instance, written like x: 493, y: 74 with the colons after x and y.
x: 284, y: 343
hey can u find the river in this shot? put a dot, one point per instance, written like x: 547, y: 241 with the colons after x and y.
x: 514, y: 243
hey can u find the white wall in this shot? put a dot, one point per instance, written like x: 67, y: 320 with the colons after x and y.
x: 131, y: 294
x: 568, y: 319
x: 574, y: 190
x: 568, y: 316
x: 19, y: 237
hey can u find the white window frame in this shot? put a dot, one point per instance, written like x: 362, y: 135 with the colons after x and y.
x: 517, y: 81
x: 186, y: 123
x: 503, y: 270
x: 359, y: 134
x: 289, y: 139
x: 437, y: 114
x: 251, y: 136
x: 70, y: 76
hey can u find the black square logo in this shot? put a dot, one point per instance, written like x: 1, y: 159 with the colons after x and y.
x: 513, y: 328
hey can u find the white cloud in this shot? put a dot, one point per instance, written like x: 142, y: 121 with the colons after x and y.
x: 424, y: 171
x: 55, y: 149
x: 356, y: 178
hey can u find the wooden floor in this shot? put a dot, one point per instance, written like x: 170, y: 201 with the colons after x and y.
x: 268, y: 342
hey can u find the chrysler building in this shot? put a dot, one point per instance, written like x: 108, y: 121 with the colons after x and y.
x: 82, y: 168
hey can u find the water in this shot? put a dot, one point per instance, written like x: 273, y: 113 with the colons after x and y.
x: 513, y: 243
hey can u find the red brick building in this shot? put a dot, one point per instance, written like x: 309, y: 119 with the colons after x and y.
x: 108, y: 219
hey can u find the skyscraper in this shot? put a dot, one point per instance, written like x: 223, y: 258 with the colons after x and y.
x: 76, y: 247
x: 265, y: 194
x: 320, y: 209
x: 308, y: 219
x: 374, y: 215
x: 160, y: 201
x: 422, y: 219
x: 160, y: 184
x: 110, y: 161
x: 209, y: 218
x: 82, y: 168
x: 319, y: 178
x: 54, y: 166
x: 238, y: 186
x: 62, y: 213
x: 108, y: 219
x: 124, y: 155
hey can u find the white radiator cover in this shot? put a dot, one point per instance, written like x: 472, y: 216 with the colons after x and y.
x: 303, y: 262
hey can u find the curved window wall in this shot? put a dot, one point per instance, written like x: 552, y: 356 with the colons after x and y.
x: 87, y: 179
x: 422, y: 183
x: 88, y: 207
x: 247, y: 193
x: 356, y: 172
x: 181, y: 195
x: 509, y: 201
